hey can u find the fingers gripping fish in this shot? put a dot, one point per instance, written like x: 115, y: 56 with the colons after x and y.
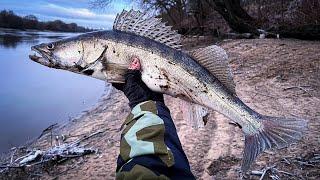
x: 201, y: 77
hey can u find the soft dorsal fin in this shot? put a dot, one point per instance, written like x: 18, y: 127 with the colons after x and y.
x: 215, y: 59
x: 151, y: 27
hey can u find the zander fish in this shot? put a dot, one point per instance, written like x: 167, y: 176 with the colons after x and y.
x: 201, y: 77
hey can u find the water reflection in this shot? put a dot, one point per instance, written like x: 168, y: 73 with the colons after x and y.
x: 10, y: 41
x: 10, y: 38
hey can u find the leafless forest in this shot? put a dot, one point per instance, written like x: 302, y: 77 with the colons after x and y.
x: 248, y: 18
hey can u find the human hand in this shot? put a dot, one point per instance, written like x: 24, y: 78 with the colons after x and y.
x: 134, y: 88
x: 135, y: 63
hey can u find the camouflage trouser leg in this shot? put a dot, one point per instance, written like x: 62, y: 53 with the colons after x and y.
x: 150, y: 147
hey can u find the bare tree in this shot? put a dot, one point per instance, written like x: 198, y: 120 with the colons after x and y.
x: 100, y: 4
x: 273, y: 16
x: 238, y: 19
x: 173, y: 9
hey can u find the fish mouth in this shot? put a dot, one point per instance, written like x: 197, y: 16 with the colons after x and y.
x: 40, y: 57
x: 45, y: 58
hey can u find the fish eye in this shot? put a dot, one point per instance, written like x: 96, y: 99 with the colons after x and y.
x: 50, y: 46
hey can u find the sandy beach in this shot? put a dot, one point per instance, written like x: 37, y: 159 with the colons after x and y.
x: 274, y: 77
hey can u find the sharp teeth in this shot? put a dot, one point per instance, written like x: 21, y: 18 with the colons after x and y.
x: 37, y: 54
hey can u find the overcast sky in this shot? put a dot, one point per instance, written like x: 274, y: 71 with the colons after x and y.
x: 77, y: 11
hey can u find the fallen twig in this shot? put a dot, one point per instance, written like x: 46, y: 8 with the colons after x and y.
x: 304, y: 163
x: 287, y: 173
x: 286, y: 161
x: 31, y: 157
x: 48, y: 129
x: 264, y: 172
x: 10, y: 166
x: 297, y: 87
x: 87, y: 137
x: 274, y: 177
x: 22, y: 157
x: 13, y: 152
x: 57, y: 153
x: 303, y: 89
x: 256, y: 173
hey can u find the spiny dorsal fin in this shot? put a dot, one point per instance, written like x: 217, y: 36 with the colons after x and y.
x: 151, y: 27
x: 216, y: 60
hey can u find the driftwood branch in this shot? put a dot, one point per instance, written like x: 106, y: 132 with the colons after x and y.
x: 57, y: 153
x: 271, y: 172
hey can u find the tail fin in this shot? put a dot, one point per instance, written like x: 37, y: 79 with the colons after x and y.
x: 275, y: 132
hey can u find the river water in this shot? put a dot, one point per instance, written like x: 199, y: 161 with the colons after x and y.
x: 33, y: 96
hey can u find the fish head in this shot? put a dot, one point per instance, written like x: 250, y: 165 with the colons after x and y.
x: 57, y: 54
x: 82, y: 54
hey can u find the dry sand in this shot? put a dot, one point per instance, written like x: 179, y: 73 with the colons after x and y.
x: 274, y: 77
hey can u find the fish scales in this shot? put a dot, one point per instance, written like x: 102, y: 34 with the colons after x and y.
x: 192, y: 69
